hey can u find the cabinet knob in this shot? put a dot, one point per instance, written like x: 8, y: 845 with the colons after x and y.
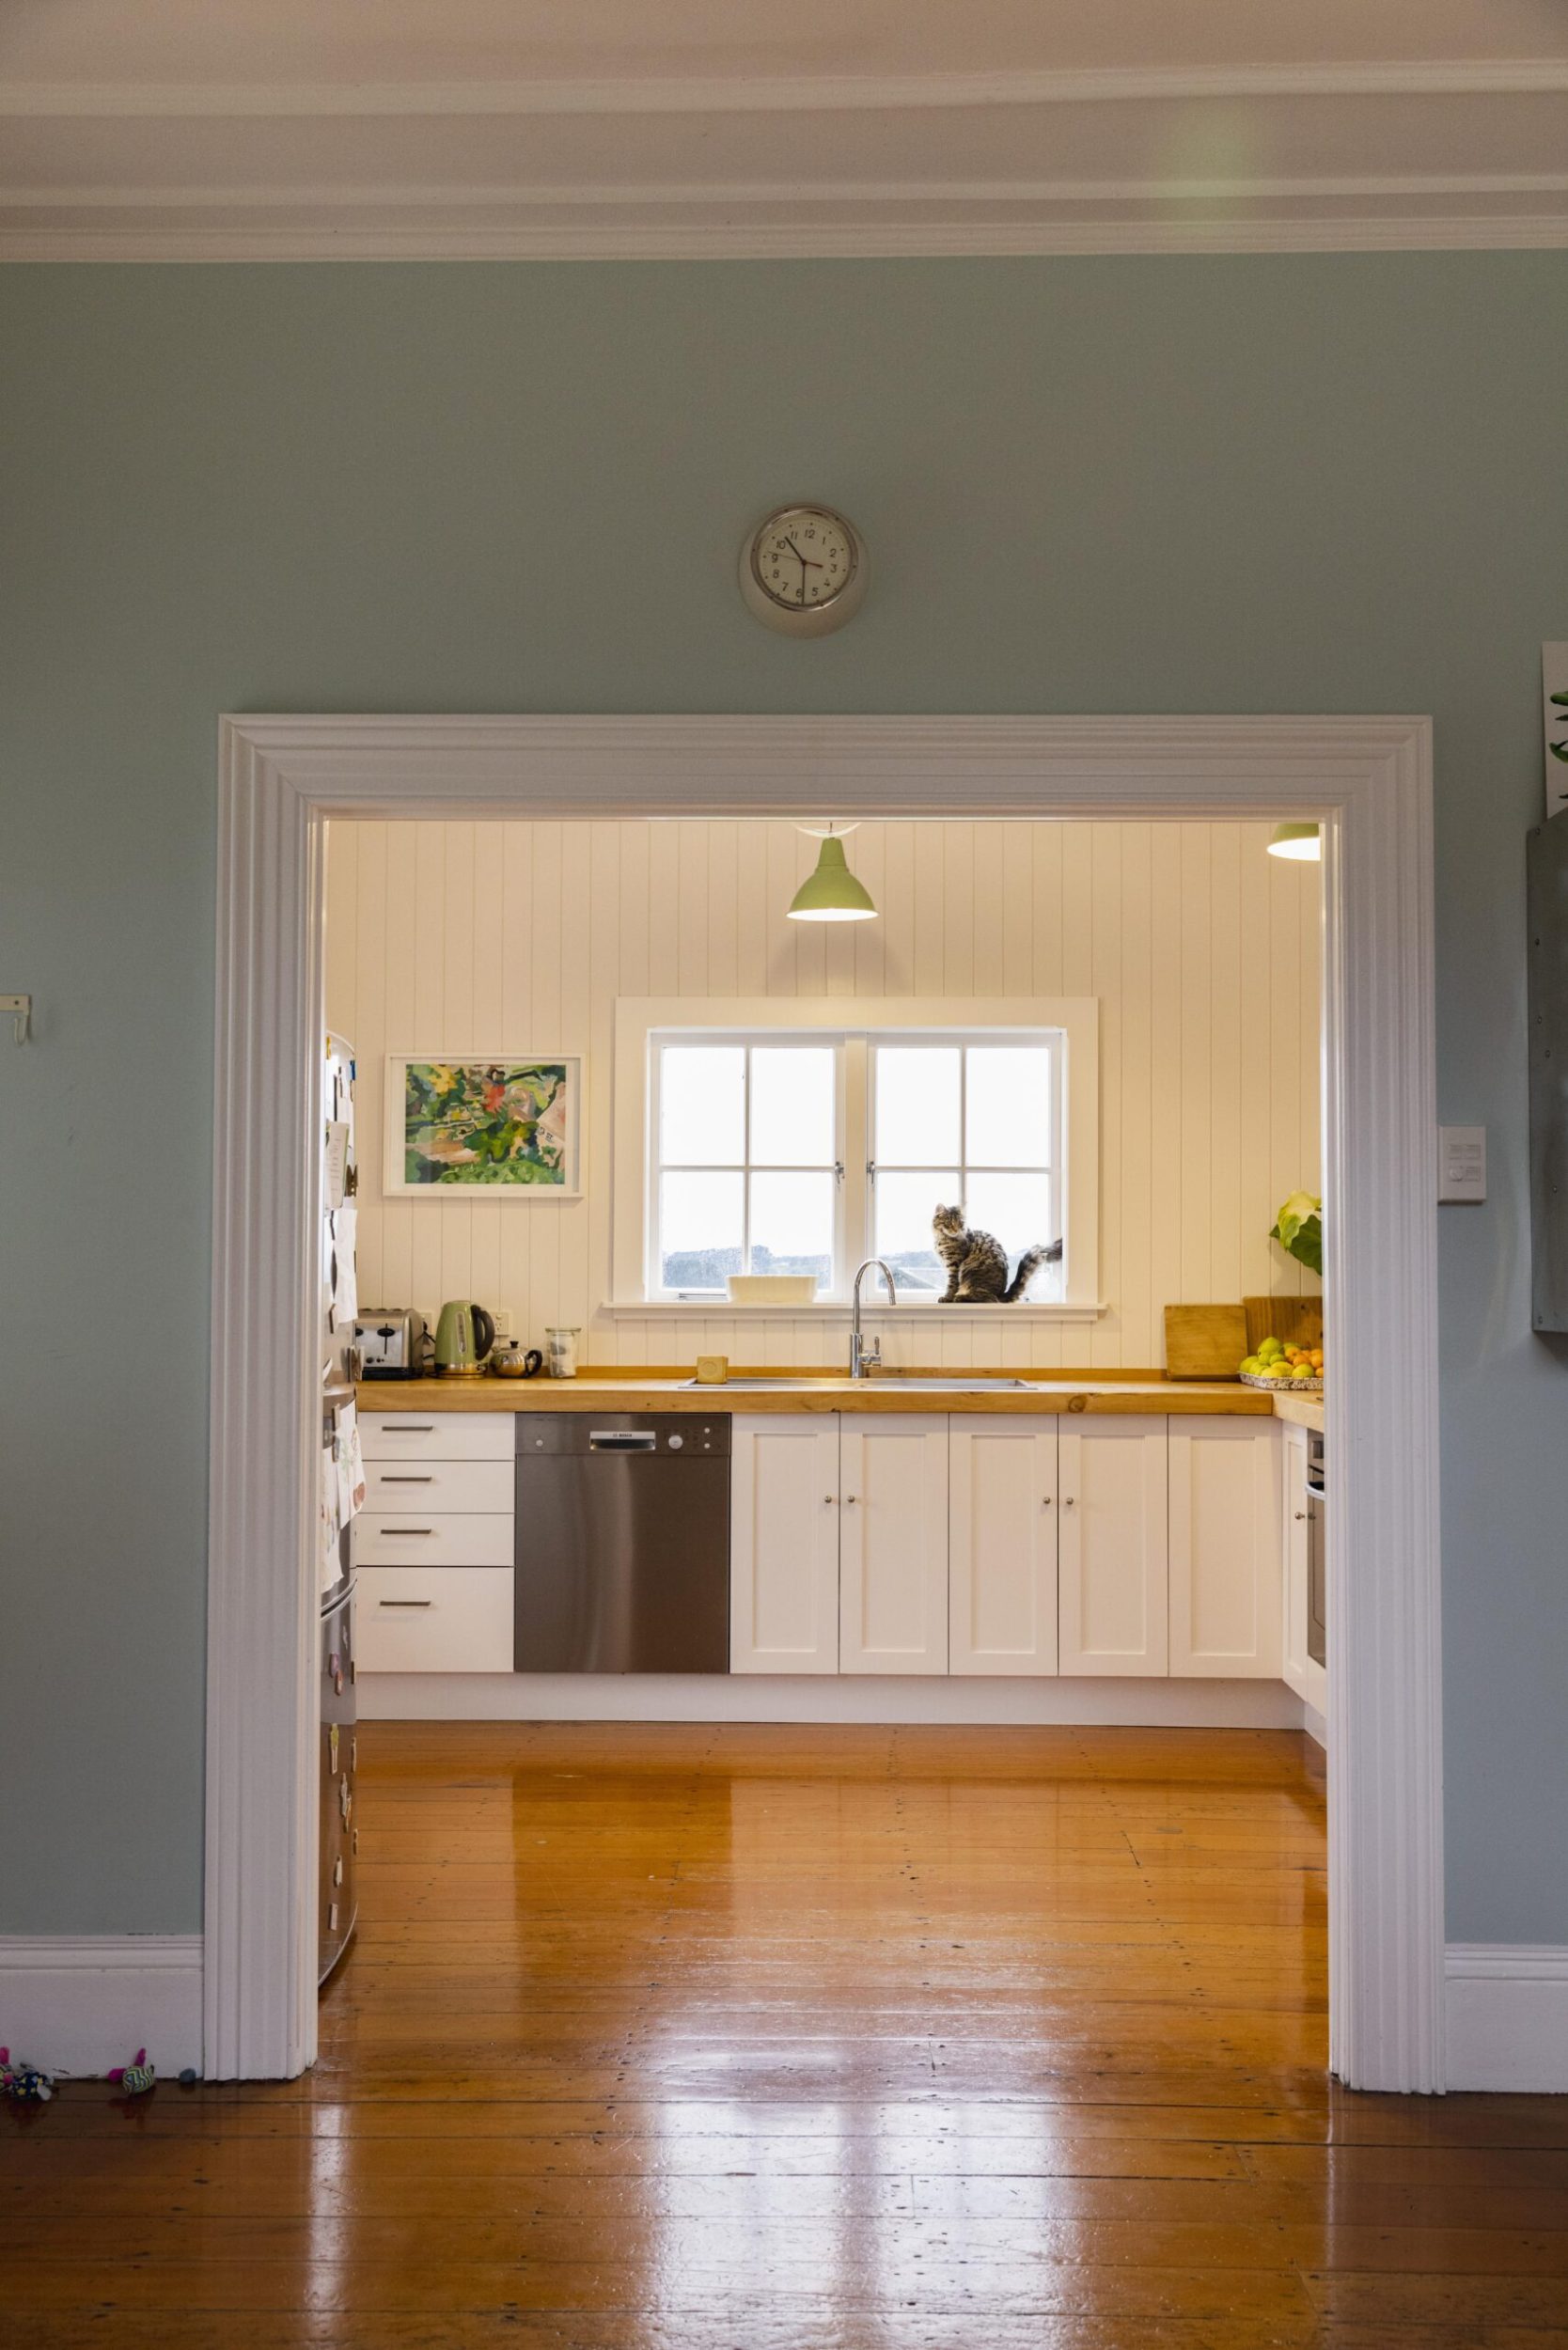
x: 1300, y: 1514
x: 849, y: 1501
x: 1046, y: 1500
x: 829, y: 1499
x: 1067, y: 1503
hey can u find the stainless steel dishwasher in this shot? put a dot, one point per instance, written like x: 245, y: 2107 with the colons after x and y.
x: 622, y: 1543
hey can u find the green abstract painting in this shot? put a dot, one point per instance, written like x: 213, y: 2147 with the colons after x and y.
x: 508, y: 1125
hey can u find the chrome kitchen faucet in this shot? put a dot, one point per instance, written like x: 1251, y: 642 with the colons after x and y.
x: 862, y: 1360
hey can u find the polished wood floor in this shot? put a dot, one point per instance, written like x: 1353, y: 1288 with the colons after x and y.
x: 783, y: 2039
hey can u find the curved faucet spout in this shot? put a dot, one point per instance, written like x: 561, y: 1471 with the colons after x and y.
x: 862, y: 1359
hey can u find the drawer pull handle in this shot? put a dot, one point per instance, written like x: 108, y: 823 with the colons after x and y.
x: 402, y: 1530
x: 409, y: 1428
x: 426, y: 1480
x: 405, y: 1603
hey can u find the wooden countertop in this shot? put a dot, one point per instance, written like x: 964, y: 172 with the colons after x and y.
x: 600, y: 1392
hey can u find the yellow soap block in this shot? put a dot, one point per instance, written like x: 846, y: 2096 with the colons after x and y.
x: 712, y: 1369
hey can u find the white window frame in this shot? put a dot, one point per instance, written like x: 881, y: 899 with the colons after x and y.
x: 655, y: 1165
x: 641, y: 1020
x: 961, y: 1039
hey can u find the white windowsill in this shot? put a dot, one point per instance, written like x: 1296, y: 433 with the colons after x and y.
x: 828, y: 1309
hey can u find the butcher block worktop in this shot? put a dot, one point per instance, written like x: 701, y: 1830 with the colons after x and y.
x: 623, y: 1391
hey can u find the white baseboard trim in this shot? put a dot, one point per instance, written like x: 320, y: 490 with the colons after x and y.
x: 1314, y: 1724
x: 83, y: 2003
x: 1506, y: 2014
x: 799, y: 1698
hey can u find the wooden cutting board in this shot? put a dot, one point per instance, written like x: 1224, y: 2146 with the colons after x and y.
x: 1294, y: 1320
x: 1204, y: 1341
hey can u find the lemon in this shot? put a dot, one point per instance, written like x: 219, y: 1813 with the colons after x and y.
x: 1252, y: 1367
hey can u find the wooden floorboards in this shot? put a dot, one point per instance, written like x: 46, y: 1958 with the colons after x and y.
x: 740, y: 2038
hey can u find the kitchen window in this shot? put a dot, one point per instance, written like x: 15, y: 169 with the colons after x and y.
x: 794, y: 1143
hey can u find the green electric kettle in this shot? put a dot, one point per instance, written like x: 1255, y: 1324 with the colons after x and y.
x: 464, y: 1336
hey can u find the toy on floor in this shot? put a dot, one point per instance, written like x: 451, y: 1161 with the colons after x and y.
x: 134, y: 2080
x: 27, y: 2084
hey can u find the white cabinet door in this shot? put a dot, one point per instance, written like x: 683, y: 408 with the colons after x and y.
x: 428, y: 1435
x: 1002, y: 1546
x: 410, y: 1538
x: 893, y: 1544
x: 1224, y: 1547
x: 1301, y: 1671
x: 784, y: 1543
x: 1113, y: 1543
x: 485, y: 1486
x: 451, y: 1620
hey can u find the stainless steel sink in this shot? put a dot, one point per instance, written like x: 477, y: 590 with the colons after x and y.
x: 889, y: 1383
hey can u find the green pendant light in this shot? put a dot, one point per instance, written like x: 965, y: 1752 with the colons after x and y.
x: 831, y: 894
x: 1301, y: 842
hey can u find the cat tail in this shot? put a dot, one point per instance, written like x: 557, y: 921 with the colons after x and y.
x: 1028, y: 1265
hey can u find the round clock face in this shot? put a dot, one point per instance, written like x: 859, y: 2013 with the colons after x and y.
x: 804, y: 559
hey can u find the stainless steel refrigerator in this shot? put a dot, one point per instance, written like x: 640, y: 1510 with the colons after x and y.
x: 343, y: 1492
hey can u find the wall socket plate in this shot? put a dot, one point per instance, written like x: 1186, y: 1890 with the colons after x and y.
x: 1461, y: 1166
x: 502, y: 1319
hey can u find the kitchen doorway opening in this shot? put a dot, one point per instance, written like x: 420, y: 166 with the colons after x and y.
x: 1366, y: 782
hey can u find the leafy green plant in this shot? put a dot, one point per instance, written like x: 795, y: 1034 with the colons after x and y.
x: 1299, y: 1228
x: 1560, y: 751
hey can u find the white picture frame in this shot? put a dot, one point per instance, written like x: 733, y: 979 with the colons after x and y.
x: 490, y: 1152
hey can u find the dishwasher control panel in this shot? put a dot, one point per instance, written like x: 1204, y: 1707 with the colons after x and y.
x: 577, y: 1433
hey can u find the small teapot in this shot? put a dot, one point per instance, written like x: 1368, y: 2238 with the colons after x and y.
x: 508, y: 1360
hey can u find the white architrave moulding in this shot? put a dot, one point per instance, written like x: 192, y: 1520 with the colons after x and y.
x: 1370, y: 780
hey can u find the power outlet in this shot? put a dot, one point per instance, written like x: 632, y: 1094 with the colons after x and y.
x: 502, y: 1319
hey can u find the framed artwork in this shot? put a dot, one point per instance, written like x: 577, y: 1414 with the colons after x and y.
x: 509, y: 1124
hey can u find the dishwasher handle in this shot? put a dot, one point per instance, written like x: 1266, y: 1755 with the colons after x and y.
x: 622, y: 1440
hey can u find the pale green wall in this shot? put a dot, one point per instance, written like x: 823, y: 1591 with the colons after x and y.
x: 1279, y: 484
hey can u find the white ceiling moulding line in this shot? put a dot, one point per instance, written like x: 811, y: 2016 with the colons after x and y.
x: 724, y: 196
x: 794, y: 93
x: 614, y: 239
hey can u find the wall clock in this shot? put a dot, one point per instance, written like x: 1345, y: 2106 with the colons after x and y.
x: 803, y: 571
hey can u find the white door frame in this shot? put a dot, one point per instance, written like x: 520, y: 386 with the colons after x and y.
x: 1368, y: 779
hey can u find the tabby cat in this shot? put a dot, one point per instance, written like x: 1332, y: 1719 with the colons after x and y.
x: 977, y: 1264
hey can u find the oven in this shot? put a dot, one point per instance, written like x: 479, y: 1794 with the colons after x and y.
x: 1317, y: 1551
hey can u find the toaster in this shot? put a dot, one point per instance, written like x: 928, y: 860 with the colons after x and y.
x: 392, y: 1342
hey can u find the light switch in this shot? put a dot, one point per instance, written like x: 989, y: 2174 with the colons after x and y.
x: 1461, y: 1164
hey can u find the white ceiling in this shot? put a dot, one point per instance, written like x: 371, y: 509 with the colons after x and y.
x: 235, y: 127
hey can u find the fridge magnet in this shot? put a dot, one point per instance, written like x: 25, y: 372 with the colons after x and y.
x: 507, y: 1123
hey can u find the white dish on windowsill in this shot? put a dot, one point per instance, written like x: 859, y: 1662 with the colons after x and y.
x: 772, y: 1289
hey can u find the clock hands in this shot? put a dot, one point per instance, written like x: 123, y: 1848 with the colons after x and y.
x: 803, y: 560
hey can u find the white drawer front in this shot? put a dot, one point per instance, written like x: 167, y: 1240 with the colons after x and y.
x: 410, y: 1487
x: 415, y: 1436
x: 410, y: 1538
x: 410, y: 1620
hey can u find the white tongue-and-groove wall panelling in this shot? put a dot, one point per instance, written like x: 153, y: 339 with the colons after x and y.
x: 1202, y: 950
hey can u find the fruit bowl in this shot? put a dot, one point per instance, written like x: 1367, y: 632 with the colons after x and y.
x: 1281, y: 1387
